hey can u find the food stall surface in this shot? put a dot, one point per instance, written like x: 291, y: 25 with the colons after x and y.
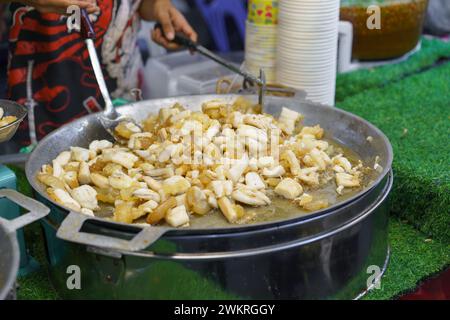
x: 409, y: 102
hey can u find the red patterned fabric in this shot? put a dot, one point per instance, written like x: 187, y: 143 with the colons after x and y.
x: 63, y: 83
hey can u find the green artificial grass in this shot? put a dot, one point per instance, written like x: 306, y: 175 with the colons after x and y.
x: 36, y: 287
x: 22, y: 183
x: 414, y: 257
x: 415, y: 115
x: 352, y: 83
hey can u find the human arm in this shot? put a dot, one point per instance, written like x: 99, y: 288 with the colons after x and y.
x: 171, y: 19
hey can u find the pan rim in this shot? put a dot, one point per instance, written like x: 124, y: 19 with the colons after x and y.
x: 20, y: 118
x: 389, y: 159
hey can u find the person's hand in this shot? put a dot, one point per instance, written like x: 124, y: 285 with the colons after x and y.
x: 60, y: 6
x: 171, y: 20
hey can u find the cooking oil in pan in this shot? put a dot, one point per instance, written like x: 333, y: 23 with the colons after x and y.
x: 283, y: 209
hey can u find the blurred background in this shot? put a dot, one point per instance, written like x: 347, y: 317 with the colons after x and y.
x: 233, y: 13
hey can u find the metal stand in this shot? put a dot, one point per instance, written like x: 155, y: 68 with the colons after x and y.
x: 10, y: 210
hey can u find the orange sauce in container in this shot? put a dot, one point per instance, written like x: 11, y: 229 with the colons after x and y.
x: 401, y: 27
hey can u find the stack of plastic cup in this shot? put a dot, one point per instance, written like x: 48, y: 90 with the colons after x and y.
x: 307, y: 47
x: 261, y: 38
x: 263, y: 12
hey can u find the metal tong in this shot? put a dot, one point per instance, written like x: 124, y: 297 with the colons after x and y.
x: 188, y: 43
x: 109, y: 118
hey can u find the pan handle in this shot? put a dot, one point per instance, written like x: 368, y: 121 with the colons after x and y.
x: 70, y: 230
x: 36, y: 210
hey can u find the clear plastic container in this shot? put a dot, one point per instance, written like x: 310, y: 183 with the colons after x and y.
x: 204, y: 80
x: 401, y: 27
x: 161, y: 74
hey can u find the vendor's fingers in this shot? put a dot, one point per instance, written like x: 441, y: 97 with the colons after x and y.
x: 167, y: 25
x: 89, y: 5
x: 93, y: 8
x: 67, y: 3
x: 181, y: 24
x: 60, y: 6
x: 158, y: 37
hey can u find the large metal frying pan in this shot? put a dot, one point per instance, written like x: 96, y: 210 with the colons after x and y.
x: 347, y: 129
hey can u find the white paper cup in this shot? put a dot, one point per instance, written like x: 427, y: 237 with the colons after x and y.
x: 319, y: 81
x: 307, y: 47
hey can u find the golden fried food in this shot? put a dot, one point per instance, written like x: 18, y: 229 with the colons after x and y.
x: 227, y: 157
x: 5, y: 120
